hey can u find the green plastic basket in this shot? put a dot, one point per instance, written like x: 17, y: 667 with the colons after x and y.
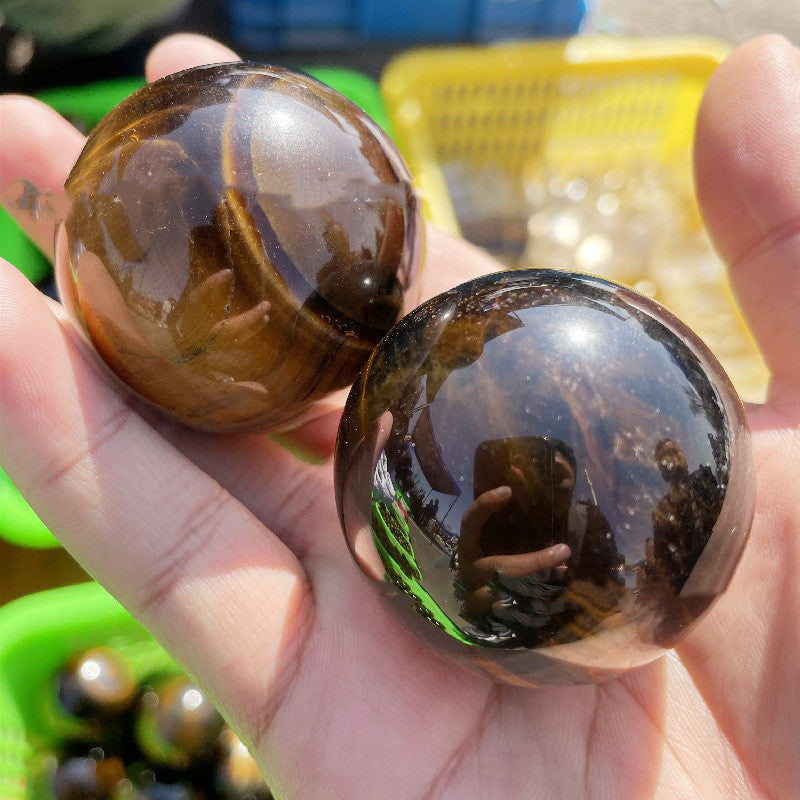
x: 38, y: 634
x: 18, y: 522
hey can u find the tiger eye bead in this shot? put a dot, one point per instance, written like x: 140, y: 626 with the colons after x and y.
x: 177, y: 725
x: 240, y: 238
x: 98, y: 684
x: 236, y: 774
x: 547, y: 476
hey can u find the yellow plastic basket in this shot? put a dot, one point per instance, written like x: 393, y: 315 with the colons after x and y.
x: 570, y: 108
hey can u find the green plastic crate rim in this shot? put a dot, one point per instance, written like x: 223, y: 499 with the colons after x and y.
x: 39, y: 634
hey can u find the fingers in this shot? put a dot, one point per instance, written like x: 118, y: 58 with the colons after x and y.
x: 37, y: 150
x: 183, y: 51
x: 187, y: 559
x: 293, y: 499
x: 449, y: 261
x: 482, y: 507
x: 748, y: 180
x: 518, y: 566
x: 473, y: 520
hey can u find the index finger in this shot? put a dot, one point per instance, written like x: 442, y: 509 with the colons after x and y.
x: 184, y: 51
x: 747, y: 159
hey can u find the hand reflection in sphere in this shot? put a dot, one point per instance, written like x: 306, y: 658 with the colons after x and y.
x: 548, y: 476
x: 239, y: 240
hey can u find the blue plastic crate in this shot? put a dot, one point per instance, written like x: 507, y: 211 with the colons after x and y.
x: 320, y: 24
x: 518, y: 19
x: 255, y: 37
x: 315, y: 38
x: 506, y: 13
x: 288, y: 15
x: 318, y: 13
x: 256, y: 13
x: 562, y: 17
x: 414, y: 20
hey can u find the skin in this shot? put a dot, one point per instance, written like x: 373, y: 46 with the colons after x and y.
x: 229, y: 550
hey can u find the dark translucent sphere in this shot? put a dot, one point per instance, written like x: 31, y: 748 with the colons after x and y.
x: 240, y: 238
x: 547, y: 476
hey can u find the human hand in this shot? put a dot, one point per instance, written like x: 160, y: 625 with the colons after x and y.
x: 228, y: 547
x: 476, y: 568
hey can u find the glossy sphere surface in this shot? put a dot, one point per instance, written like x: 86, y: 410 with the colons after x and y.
x: 177, y: 724
x: 237, y: 775
x: 625, y: 456
x: 97, y: 683
x: 240, y: 238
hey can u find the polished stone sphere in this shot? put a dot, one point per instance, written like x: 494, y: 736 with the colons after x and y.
x: 177, y: 725
x: 547, y: 476
x: 97, y: 684
x: 240, y: 238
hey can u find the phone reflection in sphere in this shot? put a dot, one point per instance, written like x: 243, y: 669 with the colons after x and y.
x: 547, y: 476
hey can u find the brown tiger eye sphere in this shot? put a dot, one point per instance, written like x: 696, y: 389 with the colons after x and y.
x: 240, y: 238
x: 547, y: 476
x: 236, y: 774
x: 177, y: 724
x: 97, y: 683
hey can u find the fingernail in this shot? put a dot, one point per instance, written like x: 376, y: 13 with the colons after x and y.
x: 560, y: 551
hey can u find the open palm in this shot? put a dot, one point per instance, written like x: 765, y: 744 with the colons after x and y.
x: 228, y: 547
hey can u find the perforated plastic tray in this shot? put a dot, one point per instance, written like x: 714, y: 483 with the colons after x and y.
x: 570, y: 107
